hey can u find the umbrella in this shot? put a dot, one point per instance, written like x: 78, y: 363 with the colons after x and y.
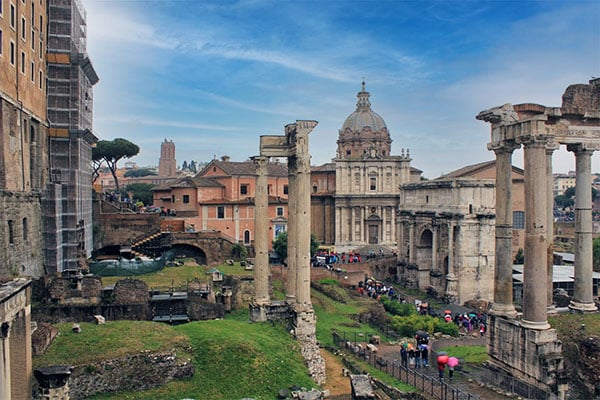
x: 421, y: 333
x: 441, y: 353
x: 442, y: 359
x: 452, y: 362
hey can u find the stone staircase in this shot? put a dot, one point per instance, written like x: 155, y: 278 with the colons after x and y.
x: 153, y: 245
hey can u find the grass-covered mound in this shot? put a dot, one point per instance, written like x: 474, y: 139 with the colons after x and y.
x: 115, y: 339
x: 233, y: 358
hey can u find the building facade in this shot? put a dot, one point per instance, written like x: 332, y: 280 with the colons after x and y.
x: 67, y: 201
x: 445, y: 231
x: 221, y: 198
x: 368, y: 179
x: 23, y: 136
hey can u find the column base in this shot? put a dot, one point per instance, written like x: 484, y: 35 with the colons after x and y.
x: 535, y: 325
x: 551, y: 309
x: 582, y: 307
x: 504, y: 310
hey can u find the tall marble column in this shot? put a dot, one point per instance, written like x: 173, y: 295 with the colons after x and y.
x: 434, y: 247
x: 352, y: 222
x: 451, y: 278
x: 261, y: 232
x: 503, y: 288
x: 550, y: 224
x: 582, y: 296
x: 536, y: 242
x: 303, y: 213
x: 290, y: 281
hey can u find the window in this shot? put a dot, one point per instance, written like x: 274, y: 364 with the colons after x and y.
x: 22, y: 62
x: 13, y: 18
x: 32, y: 71
x: 23, y: 27
x: 11, y: 232
x: 269, y: 189
x: 25, y: 229
x: 518, y: 219
x: 1, y: 41
x: 348, y: 152
x: 286, y: 189
x: 12, y: 53
x: 280, y: 211
x: 41, y: 26
x: 1, y: 7
x: 33, y: 40
x: 40, y: 82
x: 220, y: 212
x: 373, y: 183
x: 186, y: 198
x: 246, y: 237
x: 41, y: 50
x: 243, y: 189
x: 32, y: 13
x: 32, y: 133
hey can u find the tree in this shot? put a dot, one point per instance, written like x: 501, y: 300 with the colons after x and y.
x: 110, y: 152
x: 520, y: 257
x: 193, y: 166
x: 141, y: 192
x: 280, y: 245
x: 184, y: 166
x: 139, y: 172
x: 596, y: 252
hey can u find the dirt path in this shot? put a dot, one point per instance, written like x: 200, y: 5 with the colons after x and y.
x: 336, y: 382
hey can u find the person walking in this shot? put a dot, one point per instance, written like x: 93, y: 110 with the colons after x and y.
x: 425, y: 355
x: 441, y: 369
x: 404, y: 356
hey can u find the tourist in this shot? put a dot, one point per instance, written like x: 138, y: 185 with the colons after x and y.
x: 425, y: 355
x: 441, y: 368
x: 411, y: 355
x: 404, y: 355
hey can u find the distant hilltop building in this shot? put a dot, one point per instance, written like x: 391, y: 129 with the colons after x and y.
x: 167, y: 165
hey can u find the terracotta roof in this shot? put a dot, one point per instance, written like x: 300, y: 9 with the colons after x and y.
x: 473, y: 168
x: 246, y: 168
x: 327, y: 167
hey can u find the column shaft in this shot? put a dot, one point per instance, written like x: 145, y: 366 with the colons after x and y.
x: 303, y: 220
x: 411, y: 242
x: 261, y: 232
x: 534, y: 288
x: 550, y: 226
x: 582, y: 295
x: 290, y: 281
x: 503, y: 288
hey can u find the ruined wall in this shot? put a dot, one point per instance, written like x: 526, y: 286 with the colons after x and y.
x: 86, y: 289
x: 199, y: 309
x: 53, y: 313
x: 137, y: 372
x: 131, y: 291
x: 42, y: 337
x: 20, y: 234
x: 124, y: 229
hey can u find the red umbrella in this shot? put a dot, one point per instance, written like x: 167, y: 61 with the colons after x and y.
x: 442, y: 359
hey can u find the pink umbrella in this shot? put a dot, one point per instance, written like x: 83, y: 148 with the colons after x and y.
x: 452, y: 362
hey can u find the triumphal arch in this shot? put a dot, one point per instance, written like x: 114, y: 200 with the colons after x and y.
x: 524, y: 345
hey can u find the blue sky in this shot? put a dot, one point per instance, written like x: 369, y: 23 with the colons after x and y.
x: 215, y: 75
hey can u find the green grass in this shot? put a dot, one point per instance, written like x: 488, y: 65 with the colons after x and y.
x: 112, y: 340
x: 568, y: 326
x: 234, y: 360
x: 179, y: 276
x: 476, y: 354
x: 383, y: 377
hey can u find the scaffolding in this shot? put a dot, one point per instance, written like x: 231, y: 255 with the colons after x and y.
x: 67, y: 213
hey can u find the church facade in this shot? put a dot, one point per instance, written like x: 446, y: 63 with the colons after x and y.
x: 365, y: 193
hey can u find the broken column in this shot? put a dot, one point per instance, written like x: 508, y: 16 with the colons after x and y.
x: 54, y: 382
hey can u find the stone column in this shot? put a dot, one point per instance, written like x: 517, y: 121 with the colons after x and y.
x: 411, y: 242
x: 582, y: 296
x: 536, y: 247
x: 550, y: 224
x: 363, y: 216
x: 338, y: 219
x: 303, y: 213
x: 434, y: 247
x: 290, y: 281
x: 503, y: 287
x: 451, y: 278
x: 54, y: 382
x: 383, y: 222
x: 5, y: 361
x: 261, y: 232
x: 352, y: 221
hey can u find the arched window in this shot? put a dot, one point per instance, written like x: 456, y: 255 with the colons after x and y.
x: 246, y: 237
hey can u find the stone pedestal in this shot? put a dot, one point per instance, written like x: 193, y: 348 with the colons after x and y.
x: 530, y: 355
x: 54, y: 382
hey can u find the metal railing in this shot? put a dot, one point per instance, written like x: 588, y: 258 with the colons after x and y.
x: 428, y: 385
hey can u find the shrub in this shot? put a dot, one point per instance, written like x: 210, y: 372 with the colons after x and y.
x: 394, y: 307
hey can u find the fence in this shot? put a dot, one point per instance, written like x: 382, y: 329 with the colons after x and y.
x: 512, y: 385
x: 429, y: 385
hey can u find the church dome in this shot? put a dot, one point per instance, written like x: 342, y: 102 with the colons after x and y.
x: 363, y: 134
x: 363, y: 116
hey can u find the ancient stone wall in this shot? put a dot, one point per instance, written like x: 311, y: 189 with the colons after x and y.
x: 42, y: 337
x: 22, y: 253
x: 199, y: 309
x: 131, y: 291
x: 52, y: 313
x: 137, y: 372
x: 87, y: 289
x: 124, y: 229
